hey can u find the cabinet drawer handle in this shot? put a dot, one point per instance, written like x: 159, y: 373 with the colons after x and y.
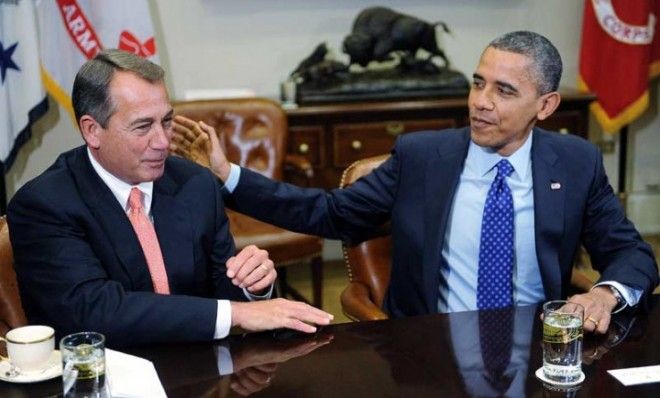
x: 563, y: 130
x: 394, y: 128
x: 303, y: 148
x: 356, y: 145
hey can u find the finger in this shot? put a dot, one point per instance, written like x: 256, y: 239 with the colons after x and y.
x: 247, y: 261
x: 246, y: 252
x: 186, y: 127
x: 264, y: 282
x: 243, y: 387
x: 257, y: 376
x: 307, y: 313
x: 235, y: 263
x: 210, y: 131
x: 268, y: 368
x: 300, y: 326
x: 603, y: 323
x: 589, y: 324
x: 231, y: 267
x: 245, y: 269
x: 258, y: 273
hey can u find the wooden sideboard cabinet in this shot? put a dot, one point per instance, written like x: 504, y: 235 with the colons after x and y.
x: 333, y: 136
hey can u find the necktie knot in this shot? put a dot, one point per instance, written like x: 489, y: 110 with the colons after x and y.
x: 135, y: 200
x: 504, y: 168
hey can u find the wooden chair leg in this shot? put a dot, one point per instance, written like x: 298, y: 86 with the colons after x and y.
x: 317, y: 281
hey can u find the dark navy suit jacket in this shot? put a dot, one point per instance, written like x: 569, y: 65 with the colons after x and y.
x: 414, y: 189
x: 80, y: 266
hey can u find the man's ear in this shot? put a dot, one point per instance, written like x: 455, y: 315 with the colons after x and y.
x: 90, y: 130
x: 549, y: 103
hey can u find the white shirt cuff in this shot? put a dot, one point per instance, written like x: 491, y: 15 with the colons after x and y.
x: 630, y: 295
x: 222, y: 319
x: 223, y: 356
x: 255, y: 297
x: 234, y: 176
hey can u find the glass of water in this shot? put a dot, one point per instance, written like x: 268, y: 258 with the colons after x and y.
x: 562, y: 341
x: 83, y: 363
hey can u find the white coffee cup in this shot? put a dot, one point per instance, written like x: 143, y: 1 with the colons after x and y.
x: 29, y: 347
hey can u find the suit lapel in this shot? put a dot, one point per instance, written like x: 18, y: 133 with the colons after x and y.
x: 174, y: 233
x: 442, y: 177
x: 548, y: 174
x: 112, y: 219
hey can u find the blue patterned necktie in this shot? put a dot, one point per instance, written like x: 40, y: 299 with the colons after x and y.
x: 494, y: 284
x: 496, y: 341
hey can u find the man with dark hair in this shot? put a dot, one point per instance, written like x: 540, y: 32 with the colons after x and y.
x: 482, y: 217
x: 120, y: 238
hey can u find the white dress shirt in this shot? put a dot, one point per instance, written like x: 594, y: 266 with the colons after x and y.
x: 121, y: 191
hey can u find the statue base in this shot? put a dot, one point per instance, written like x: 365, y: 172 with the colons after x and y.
x: 382, y: 85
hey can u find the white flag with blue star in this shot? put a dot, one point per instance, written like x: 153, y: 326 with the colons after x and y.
x: 22, y: 96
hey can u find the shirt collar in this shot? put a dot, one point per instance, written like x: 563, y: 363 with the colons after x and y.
x: 484, y: 159
x: 121, y: 189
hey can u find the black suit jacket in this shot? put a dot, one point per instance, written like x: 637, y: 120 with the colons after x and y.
x: 80, y: 266
x: 414, y: 189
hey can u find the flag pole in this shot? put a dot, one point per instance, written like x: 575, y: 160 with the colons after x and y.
x: 623, y: 162
x: 3, y: 191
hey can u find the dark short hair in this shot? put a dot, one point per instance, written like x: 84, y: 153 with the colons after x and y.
x: 546, y: 61
x: 90, y: 95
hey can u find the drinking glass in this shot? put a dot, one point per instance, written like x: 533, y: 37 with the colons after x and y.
x: 562, y: 341
x: 83, y: 361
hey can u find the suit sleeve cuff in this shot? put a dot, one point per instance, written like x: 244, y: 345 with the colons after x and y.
x: 234, y: 177
x: 222, y: 320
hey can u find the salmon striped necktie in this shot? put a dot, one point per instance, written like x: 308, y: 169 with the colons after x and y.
x: 146, y: 234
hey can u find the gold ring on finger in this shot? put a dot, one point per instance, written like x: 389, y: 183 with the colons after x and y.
x: 595, y: 322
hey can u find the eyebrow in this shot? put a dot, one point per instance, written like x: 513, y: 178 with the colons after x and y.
x: 136, y: 122
x: 500, y: 83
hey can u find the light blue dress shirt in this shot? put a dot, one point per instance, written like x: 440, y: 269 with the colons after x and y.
x: 462, y: 238
x: 458, y: 288
x: 463, y: 234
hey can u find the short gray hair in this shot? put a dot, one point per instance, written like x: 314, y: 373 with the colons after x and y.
x: 546, y: 61
x: 90, y: 95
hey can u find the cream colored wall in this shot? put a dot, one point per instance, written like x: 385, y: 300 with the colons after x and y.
x: 208, y: 44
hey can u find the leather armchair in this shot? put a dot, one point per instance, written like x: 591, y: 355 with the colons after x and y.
x: 253, y: 132
x: 11, y: 309
x: 368, y: 263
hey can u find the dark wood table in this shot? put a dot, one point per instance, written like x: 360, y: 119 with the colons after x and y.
x: 437, y: 355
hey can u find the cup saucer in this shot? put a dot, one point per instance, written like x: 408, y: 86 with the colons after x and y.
x: 541, y: 376
x: 53, y: 368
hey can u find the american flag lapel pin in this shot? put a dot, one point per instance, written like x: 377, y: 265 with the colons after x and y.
x: 555, y: 185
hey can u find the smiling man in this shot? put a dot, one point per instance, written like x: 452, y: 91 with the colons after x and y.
x: 119, y: 238
x: 482, y: 217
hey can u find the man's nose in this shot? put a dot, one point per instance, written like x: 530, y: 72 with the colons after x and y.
x: 483, y: 99
x: 161, y: 138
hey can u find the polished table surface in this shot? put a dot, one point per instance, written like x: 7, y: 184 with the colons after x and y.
x: 436, y: 355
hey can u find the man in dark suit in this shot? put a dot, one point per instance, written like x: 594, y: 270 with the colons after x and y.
x: 482, y: 217
x: 120, y: 238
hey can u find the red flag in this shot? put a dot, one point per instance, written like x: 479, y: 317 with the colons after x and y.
x: 620, y: 52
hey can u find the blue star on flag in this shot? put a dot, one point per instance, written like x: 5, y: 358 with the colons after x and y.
x: 5, y: 60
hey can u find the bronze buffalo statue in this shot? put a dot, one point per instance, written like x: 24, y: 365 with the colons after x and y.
x: 379, y: 31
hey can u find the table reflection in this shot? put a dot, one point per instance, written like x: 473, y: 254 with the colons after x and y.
x: 472, y: 339
x: 424, y: 356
